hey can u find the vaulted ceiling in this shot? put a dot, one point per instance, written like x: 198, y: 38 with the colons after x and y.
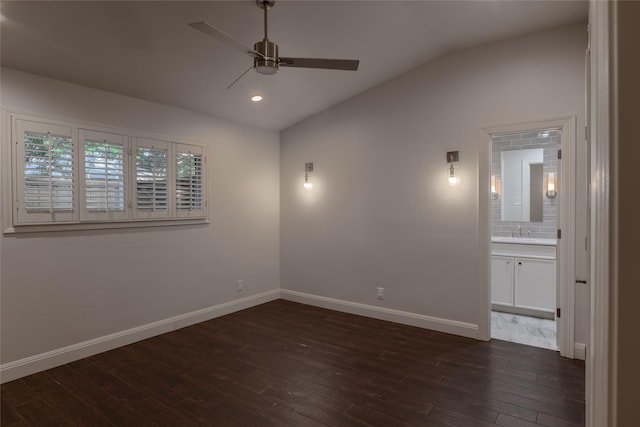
x: 145, y: 49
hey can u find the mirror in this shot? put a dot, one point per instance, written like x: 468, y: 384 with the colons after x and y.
x: 522, y: 185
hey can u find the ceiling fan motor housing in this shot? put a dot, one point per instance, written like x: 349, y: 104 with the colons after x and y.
x: 269, y: 63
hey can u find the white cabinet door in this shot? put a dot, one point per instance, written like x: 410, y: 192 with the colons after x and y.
x: 535, y: 284
x: 501, y: 280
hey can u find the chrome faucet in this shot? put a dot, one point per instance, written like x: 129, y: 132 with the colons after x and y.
x: 528, y: 233
x: 519, y: 231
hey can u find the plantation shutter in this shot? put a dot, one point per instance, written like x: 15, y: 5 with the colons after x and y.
x: 46, y: 187
x: 152, y: 191
x: 189, y: 181
x: 104, y: 176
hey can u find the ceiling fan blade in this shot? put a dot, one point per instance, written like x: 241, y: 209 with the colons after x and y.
x: 241, y: 76
x: 207, y: 29
x: 329, y: 64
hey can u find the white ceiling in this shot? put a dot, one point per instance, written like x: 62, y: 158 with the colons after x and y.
x: 146, y: 49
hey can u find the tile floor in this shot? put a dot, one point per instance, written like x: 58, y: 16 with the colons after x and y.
x: 524, y: 330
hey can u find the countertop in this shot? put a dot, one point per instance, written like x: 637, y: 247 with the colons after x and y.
x: 524, y: 240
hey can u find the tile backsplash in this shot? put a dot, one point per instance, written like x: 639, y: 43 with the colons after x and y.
x: 549, y: 142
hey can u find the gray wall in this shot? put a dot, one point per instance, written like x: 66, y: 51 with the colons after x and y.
x: 63, y: 288
x: 381, y: 212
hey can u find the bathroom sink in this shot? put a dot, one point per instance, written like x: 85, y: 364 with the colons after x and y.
x: 524, y: 240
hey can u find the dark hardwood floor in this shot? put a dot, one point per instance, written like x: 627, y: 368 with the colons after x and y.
x: 287, y: 364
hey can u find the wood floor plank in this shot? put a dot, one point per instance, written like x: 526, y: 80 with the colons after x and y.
x: 16, y: 393
x: 288, y: 364
x: 452, y: 418
x: 202, y: 414
x: 160, y: 414
x: 322, y: 408
x: 78, y: 385
x: 111, y: 384
x: 70, y: 407
x: 38, y: 413
x: 119, y: 414
x: 440, y: 396
x: 370, y: 417
x: 145, y: 380
x: 37, y: 379
x: 509, y: 421
x: 8, y: 414
x: 551, y: 421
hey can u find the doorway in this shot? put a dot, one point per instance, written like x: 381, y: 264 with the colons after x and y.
x: 524, y: 212
x: 533, y: 276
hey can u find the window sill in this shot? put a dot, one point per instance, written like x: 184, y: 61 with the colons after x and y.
x: 75, y: 226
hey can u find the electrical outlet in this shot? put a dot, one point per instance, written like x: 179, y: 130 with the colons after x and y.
x: 380, y: 293
x: 239, y: 285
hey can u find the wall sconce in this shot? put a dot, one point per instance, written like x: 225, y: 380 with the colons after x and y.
x: 551, y: 185
x: 495, y: 187
x: 308, y: 168
x: 452, y: 157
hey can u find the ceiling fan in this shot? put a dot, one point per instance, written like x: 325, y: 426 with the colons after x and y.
x: 265, y: 53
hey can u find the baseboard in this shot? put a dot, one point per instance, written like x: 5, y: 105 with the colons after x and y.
x: 40, y: 362
x: 406, y: 318
x: 579, y: 351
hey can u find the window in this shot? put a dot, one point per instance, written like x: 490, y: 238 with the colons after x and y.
x: 189, y: 195
x: 104, y: 190
x: 152, y: 179
x: 72, y: 175
x: 45, y: 165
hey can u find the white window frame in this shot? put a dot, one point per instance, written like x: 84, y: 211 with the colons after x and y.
x: 12, y: 178
x: 194, y: 150
x: 110, y: 215
x: 41, y: 127
x: 153, y: 144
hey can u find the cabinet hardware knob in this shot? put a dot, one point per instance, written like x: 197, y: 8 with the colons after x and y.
x: 519, y: 262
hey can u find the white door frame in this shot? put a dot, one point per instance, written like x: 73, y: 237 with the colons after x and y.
x: 565, y: 258
x: 601, y: 365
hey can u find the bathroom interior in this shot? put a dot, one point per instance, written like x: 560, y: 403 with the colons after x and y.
x: 524, y: 215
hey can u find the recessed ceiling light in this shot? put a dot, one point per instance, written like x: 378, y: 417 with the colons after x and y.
x: 256, y: 98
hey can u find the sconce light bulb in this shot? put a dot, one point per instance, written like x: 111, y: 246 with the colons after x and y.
x: 551, y: 185
x: 453, y: 179
x: 308, y: 185
x: 495, y: 195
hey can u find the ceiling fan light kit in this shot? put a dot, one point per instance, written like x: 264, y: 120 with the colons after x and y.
x: 266, y: 59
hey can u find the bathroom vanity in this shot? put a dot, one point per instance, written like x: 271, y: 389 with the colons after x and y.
x: 523, y: 276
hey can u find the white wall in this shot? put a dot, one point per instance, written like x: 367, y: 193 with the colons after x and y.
x: 63, y: 288
x: 381, y: 212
